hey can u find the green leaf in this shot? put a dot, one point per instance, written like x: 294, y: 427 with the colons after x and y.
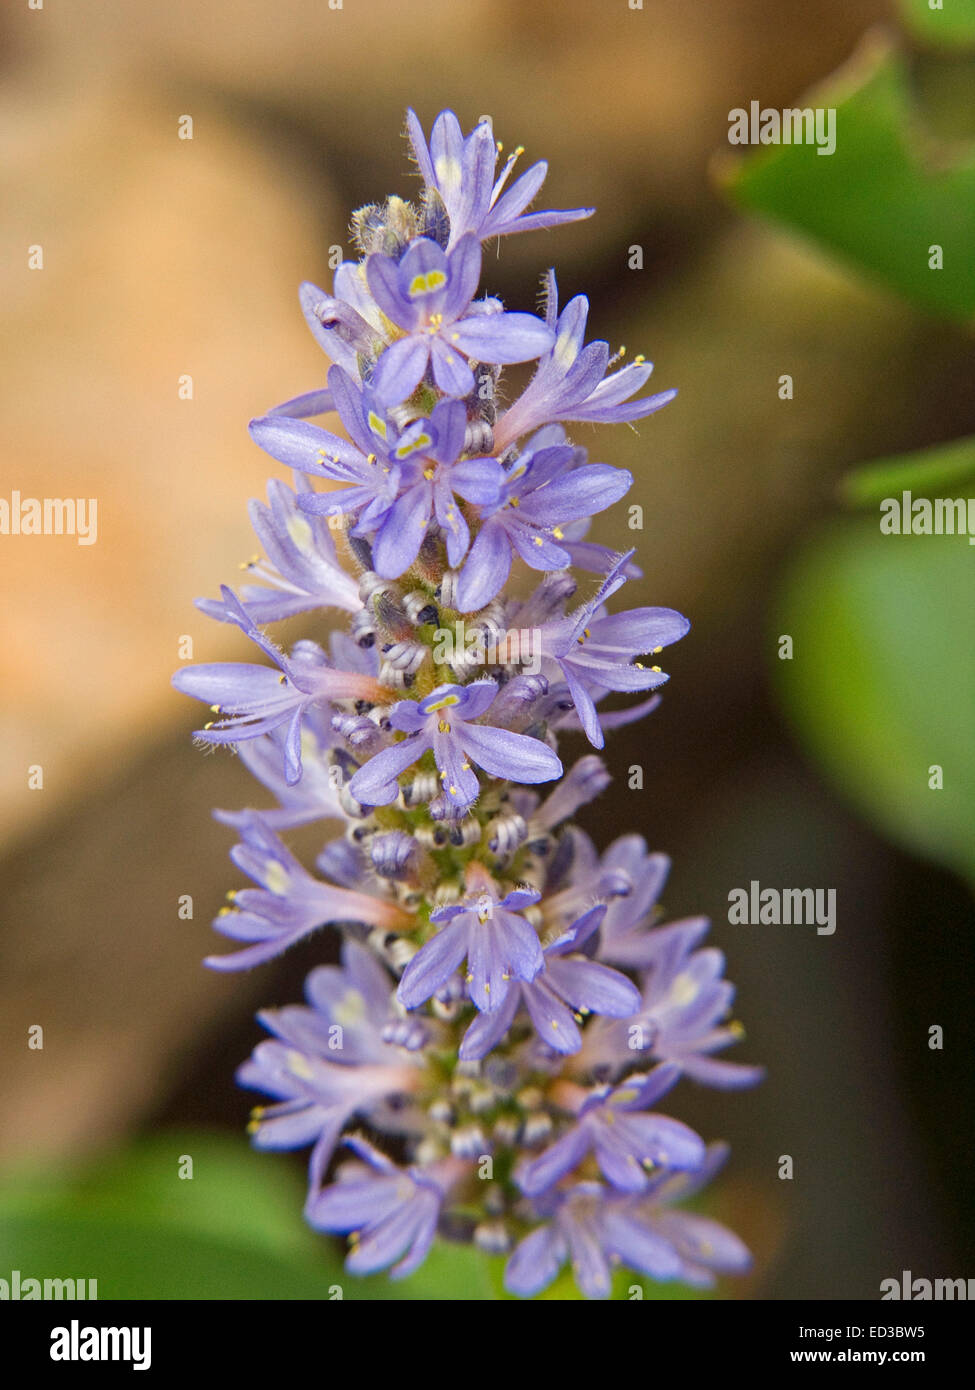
x: 884, y: 197
x: 950, y: 25
x: 233, y: 1230
x: 234, y: 1193
x: 881, y: 682
x: 930, y: 472
x: 136, y: 1259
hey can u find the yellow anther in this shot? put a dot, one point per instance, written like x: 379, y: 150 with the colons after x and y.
x: 655, y: 668
x: 558, y: 533
x: 443, y: 726
x: 639, y: 359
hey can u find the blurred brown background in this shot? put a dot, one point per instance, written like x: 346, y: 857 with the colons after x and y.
x: 165, y: 257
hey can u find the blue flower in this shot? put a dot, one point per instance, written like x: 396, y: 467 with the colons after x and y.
x: 497, y: 942
x: 314, y: 797
x: 442, y: 722
x: 462, y: 172
x: 328, y: 1063
x: 289, y: 904
x: 392, y: 1212
x: 569, y: 985
x: 503, y: 989
x: 394, y: 481
x: 430, y: 479
x: 366, y: 467
x: 428, y: 295
x: 595, y: 654
x: 626, y: 1143
x: 346, y: 325
x: 596, y: 1228
x: 543, y: 490
x: 302, y: 565
x: 253, y: 700
x: 683, y: 1011
x: 571, y: 382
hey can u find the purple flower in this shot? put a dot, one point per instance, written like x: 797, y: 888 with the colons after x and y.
x: 682, y: 1013
x: 462, y: 172
x: 289, y: 903
x: 366, y: 467
x: 543, y: 491
x: 253, y: 700
x: 626, y: 1143
x: 431, y: 477
x: 595, y: 1228
x: 314, y: 797
x: 624, y: 937
x: 595, y: 654
x: 592, y: 1228
x: 571, y: 382
x: 328, y: 1063
x: 498, y: 944
x: 345, y: 325
x: 393, y: 1212
x: 395, y: 481
x: 442, y: 722
x: 302, y: 564
x: 569, y: 985
x: 428, y: 295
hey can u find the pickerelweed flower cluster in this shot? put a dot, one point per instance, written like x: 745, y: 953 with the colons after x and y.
x: 488, y: 1058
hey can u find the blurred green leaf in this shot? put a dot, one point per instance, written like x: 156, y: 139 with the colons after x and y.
x: 882, y: 679
x: 951, y: 24
x: 137, y: 1259
x: 884, y: 197
x: 233, y: 1230
x: 235, y: 1193
x: 927, y: 473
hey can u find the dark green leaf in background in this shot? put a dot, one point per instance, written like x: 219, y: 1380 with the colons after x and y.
x: 885, y: 196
